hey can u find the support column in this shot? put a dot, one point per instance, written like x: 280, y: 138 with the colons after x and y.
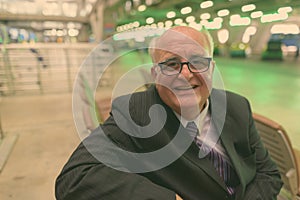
x: 96, y: 20
x: 83, y: 34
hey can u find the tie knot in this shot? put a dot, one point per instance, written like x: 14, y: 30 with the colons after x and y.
x: 192, y: 128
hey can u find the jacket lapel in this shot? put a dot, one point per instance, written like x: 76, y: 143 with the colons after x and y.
x: 225, y: 127
x: 192, y: 154
x: 227, y: 140
x: 203, y: 164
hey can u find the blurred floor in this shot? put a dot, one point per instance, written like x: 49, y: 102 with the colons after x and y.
x: 47, y: 135
x: 46, y: 138
x: 272, y: 87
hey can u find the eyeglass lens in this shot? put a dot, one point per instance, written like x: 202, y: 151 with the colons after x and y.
x: 196, y: 65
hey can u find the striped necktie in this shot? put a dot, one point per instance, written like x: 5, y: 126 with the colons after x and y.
x: 221, y: 165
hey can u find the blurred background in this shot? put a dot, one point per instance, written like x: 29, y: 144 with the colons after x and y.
x: 45, y: 43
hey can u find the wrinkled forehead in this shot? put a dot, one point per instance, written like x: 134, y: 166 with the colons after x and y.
x: 181, y: 45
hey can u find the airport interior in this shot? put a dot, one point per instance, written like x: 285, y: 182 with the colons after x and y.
x: 58, y: 56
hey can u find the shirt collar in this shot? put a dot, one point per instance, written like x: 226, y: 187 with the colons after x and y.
x: 199, y: 120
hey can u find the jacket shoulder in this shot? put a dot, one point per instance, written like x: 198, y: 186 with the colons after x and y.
x: 137, y: 104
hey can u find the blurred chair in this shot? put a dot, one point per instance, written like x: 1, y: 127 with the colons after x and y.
x: 103, y: 106
x: 90, y: 122
x: 273, y: 51
x: 88, y: 106
x: 280, y: 148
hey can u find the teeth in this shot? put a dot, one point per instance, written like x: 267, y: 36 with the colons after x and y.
x: 185, y: 88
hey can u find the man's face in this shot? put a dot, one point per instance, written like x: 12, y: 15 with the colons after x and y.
x: 186, y: 91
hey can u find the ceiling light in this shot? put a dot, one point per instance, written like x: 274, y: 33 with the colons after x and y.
x: 218, y: 20
x: 285, y: 9
x: 171, y: 14
x: 190, y: 19
x: 206, y: 4
x: 73, y: 32
x: 168, y: 23
x: 149, y: 20
x: 237, y: 20
x: 213, y: 25
x: 273, y: 17
x: 223, y: 13
x: 178, y: 21
x: 195, y: 26
x: 142, y: 8
x: 136, y: 24
x: 248, y: 7
x: 205, y: 16
x: 251, y: 30
x: 223, y: 35
x: 186, y: 10
x: 256, y: 14
x: 70, y: 9
x: 285, y: 29
x: 160, y: 24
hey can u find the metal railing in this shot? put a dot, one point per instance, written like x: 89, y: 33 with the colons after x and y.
x: 40, y: 68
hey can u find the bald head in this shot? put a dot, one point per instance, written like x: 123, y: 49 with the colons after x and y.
x: 181, y: 35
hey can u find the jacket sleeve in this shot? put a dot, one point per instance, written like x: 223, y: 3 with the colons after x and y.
x: 85, y: 178
x: 267, y: 183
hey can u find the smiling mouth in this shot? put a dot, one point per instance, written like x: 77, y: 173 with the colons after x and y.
x: 189, y: 87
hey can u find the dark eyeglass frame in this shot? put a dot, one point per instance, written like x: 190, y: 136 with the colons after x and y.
x: 191, y: 69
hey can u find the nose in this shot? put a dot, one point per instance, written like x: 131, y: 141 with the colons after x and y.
x: 185, y: 71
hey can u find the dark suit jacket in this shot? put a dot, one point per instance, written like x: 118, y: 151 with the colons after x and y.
x: 193, y: 178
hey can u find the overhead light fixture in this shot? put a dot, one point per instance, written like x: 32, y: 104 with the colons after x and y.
x: 171, y: 14
x: 149, y: 20
x: 195, y: 25
x: 223, y: 35
x: 168, y: 23
x: 223, y: 13
x: 186, y: 10
x: 285, y: 9
x: 190, y: 19
x: 273, y: 17
x: 285, y: 29
x: 237, y: 20
x: 178, y: 21
x: 250, y: 31
x: 218, y: 19
x: 205, y: 16
x: 256, y: 14
x: 142, y: 8
x: 70, y: 9
x: 160, y: 24
x: 249, y: 7
x: 73, y: 32
x: 136, y: 24
x: 215, y: 24
x: 206, y: 4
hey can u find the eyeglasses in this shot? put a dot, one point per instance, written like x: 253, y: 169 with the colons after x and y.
x: 196, y: 64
